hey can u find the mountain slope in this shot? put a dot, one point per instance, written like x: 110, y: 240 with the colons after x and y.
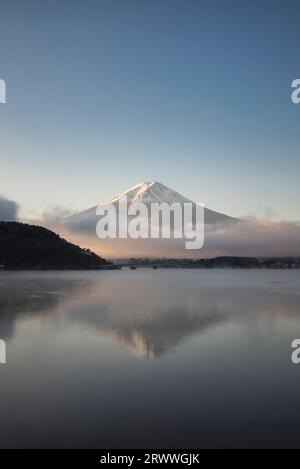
x: 28, y: 246
x: 81, y: 227
x: 146, y: 193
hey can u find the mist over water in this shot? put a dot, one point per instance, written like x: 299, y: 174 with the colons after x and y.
x: 144, y: 358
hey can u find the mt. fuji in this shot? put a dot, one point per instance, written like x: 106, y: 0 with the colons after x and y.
x: 146, y: 193
x: 81, y: 227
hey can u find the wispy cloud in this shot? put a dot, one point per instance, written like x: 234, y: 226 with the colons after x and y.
x: 250, y: 237
x: 9, y: 209
x: 255, y: 238
x: 55, y: 214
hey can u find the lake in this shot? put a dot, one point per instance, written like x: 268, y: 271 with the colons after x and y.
x: 150, y: 359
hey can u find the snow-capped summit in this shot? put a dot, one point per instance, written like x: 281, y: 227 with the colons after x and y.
x: 149, y: 192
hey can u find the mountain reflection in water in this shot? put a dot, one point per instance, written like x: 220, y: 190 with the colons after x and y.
x: 149, y: 359
x: 136, y: 311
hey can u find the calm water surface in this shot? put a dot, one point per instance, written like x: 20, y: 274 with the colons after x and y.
x: 167, y: 358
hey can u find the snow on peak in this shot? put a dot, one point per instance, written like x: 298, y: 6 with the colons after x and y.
x: 149, y: 192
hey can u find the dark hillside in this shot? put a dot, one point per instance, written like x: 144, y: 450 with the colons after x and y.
x: 25, y: 246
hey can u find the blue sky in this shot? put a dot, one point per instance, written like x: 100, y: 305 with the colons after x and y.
x: 102, y: 95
